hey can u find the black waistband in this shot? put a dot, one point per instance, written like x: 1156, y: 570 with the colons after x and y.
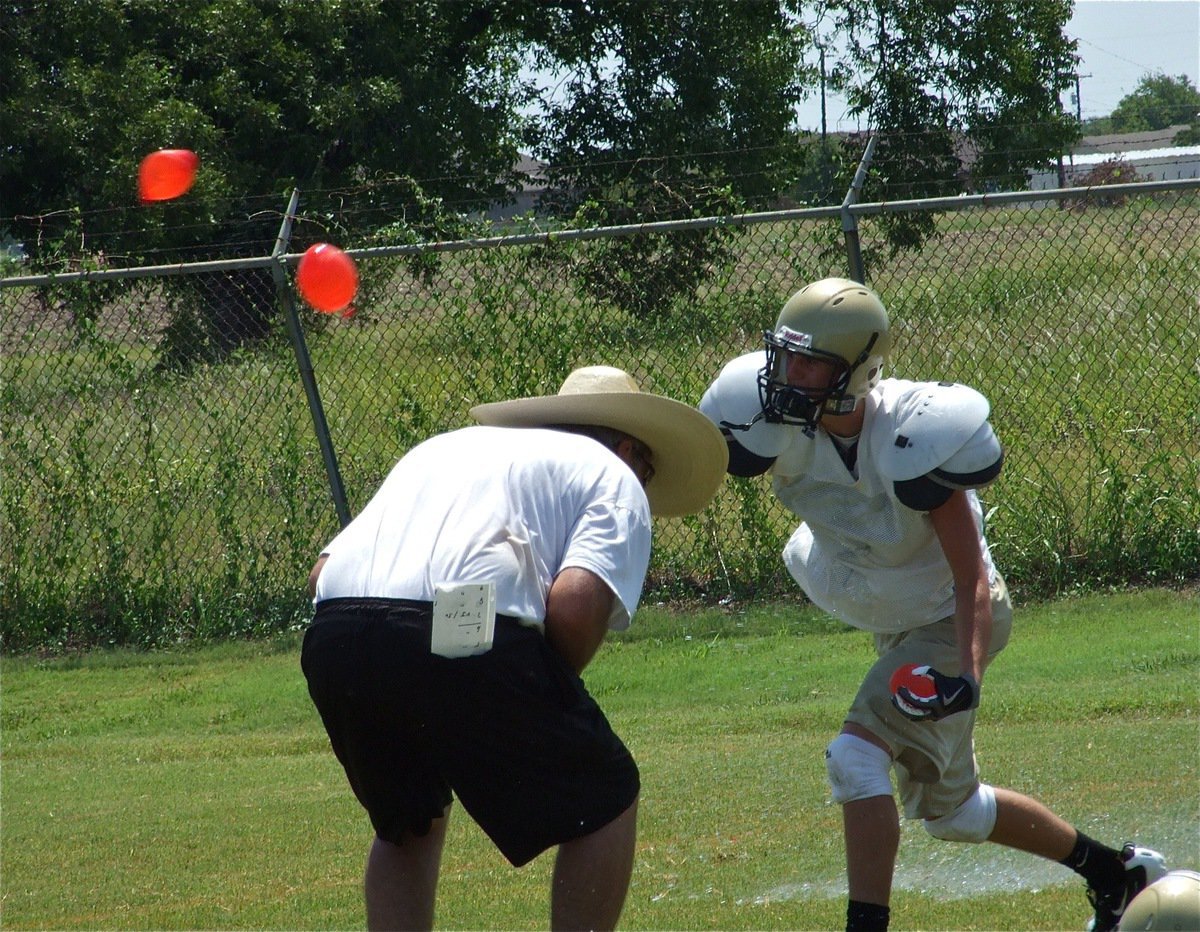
x: 328, y: 608
x: 371, y: 605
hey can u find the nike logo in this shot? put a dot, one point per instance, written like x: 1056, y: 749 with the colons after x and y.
x: 954, y: 695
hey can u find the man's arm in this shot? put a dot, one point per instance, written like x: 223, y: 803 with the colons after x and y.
x: 956, y: 530
x: 315, y: 573
x: 577, y: 610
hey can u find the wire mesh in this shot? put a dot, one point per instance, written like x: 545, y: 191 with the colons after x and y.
x: 161, y: 480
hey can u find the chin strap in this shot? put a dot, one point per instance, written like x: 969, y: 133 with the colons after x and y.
x: 729, y: 425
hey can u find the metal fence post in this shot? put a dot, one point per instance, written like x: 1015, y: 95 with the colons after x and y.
x: 850, y: 222
x: 304, y: 363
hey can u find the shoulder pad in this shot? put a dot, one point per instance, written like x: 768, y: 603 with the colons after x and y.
x: 742, y: 462
x: 737, y: 407
x: 708, y: 404
x: 977, y: 464
x: 931, y: 424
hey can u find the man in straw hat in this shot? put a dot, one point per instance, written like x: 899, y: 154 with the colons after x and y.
x: 455, y: 614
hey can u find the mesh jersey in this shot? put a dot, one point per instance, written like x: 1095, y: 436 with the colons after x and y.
x: 509, y: 505
x: 859, y: 553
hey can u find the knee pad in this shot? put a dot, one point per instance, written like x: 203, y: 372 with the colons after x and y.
x: 972, y: 821
x: 857, y: 769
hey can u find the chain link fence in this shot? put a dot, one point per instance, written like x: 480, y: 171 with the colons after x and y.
x: 162, y: 478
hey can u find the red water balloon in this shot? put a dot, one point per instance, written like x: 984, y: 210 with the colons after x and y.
x: 167, y: 173
x: 920, y: 684
x: 327, y: 278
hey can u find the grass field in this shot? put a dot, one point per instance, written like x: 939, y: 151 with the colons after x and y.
x: 194, y: 789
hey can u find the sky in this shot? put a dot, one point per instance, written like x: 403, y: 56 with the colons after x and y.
x: 1119, y: 43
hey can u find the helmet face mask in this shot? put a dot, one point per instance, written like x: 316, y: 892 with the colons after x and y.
x: 800, y: 405
x: 837, y: 321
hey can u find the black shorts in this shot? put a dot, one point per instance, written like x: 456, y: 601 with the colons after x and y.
x: 513, y: 733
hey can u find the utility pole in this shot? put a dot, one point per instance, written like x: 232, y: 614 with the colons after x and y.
x: 1078, y: 98
x: 1062, y: 172
x: 821, y: 51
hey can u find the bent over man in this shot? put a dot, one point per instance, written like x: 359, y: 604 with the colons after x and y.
x: 883, y: 473
x: 455, y: 614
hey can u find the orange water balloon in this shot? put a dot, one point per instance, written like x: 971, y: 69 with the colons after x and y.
x: 166, y: 174
x: 327, y: 278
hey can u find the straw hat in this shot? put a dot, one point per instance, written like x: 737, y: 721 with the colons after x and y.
x: 690, y: 455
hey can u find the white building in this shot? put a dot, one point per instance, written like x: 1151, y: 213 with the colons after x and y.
x: 1149, y: 154
x: 1147, y: 164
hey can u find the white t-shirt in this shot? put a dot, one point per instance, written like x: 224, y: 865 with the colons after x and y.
x: 860, y: 554
x: 513, y: 506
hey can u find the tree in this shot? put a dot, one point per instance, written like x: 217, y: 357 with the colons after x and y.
x: 1109, y: 172
x: 345, y: 98
x: 1096, y: 126
x: 668, y: 90
x: 940, y: 79
x: 334, y: 97
x: 1157, y: 102
x: 664, y: 111
x: 414, y: 110
x: 322, y: 95
x: 958, y: 94
x: 676, y: 108
x: 1189, y: 136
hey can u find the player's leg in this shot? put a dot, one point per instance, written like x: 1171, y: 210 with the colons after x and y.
x: 400, y: 886
x: 369, y: 675
x: 1028, y: 825
x: 870, y: 820
x: 872, y: 830
x: 857, y: 762
x: 1113, y: 877
x: 591, y: 876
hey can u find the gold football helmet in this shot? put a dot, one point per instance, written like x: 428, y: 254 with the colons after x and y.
x: 839, y: 321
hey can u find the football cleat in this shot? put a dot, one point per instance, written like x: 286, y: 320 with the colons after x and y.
x: 1142, y: 867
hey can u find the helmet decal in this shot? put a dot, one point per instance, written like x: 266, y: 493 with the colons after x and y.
x: 793, y: 340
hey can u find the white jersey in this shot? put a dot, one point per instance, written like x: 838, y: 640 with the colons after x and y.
x: 513, y: 506
x: 860, y: 554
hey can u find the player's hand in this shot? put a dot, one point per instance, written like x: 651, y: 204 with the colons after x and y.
x: 949, y: 694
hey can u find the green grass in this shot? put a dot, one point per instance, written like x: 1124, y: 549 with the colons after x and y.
x: 195, y: 789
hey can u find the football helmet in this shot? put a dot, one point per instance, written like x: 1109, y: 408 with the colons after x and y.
x: 836, y: 320
x: 1171, y: 902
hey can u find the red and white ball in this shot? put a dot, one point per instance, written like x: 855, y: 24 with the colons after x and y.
x: 916, y: 678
